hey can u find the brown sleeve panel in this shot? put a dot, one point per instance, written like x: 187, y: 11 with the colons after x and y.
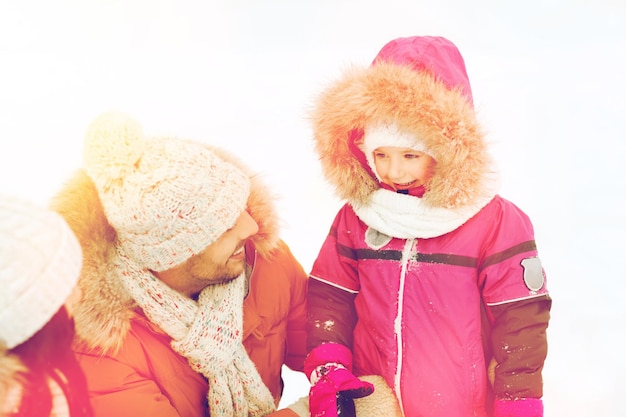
x: 520, y: 347
x: 331, y: 315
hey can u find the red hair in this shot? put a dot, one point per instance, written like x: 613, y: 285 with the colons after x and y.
x: 48, y: 355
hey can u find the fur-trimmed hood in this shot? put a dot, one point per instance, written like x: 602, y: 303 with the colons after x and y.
x: 103, y: 317
x: 419, y: 85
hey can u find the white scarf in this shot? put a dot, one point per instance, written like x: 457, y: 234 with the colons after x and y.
x: 208, y: 333
x: 405, y: 216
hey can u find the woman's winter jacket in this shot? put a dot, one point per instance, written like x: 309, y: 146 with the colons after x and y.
x: 427, y: 292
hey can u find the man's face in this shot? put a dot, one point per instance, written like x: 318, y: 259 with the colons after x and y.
x: 220, y: 262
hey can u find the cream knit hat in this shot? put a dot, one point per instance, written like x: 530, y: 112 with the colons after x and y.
x: 167, y: 198
x: 40, y: 262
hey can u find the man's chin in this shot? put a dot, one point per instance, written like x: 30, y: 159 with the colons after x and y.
x: 234, y: 267
x: 231, y: 275
x: 225, y: 280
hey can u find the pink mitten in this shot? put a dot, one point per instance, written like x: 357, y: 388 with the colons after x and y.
x: 333, y: 386
x: 524, y: 407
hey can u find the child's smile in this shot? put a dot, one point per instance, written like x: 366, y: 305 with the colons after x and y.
x: 403, y: 168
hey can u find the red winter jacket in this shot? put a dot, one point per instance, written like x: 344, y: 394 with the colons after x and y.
x: 147, y: 377
x: 130, y: 367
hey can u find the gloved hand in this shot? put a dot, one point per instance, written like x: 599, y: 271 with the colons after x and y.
x: 334, y: 387
x: 523, y: 407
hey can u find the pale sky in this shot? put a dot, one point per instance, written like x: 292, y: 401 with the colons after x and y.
x: 548, y: 83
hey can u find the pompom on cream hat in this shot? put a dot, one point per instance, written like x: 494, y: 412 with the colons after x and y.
x: 40, y: 262
x: 167, y: 198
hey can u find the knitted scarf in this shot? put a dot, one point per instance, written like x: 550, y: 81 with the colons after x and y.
x: 208, y: 333
x: 405, y: 216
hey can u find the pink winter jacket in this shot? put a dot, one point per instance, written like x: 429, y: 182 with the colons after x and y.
x: 418, y: 306
x: 427, y: 292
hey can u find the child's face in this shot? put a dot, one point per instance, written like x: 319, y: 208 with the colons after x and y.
x: 403, y: 168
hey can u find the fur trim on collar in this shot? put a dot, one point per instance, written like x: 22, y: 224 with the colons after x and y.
x: 103, y: 316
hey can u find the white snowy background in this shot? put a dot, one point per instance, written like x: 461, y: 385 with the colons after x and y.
x: 548, y: 79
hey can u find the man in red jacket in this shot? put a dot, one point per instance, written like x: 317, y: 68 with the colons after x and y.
x: 191, y: 302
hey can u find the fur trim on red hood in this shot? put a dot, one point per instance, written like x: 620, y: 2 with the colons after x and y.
x: 103, y: 316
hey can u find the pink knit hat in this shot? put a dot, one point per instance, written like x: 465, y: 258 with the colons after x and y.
x: 167, y: 198
x: 40, y: 262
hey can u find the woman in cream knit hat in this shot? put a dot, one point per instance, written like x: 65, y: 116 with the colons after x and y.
x: 40, y: 261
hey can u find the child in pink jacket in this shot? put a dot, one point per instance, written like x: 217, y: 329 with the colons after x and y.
x: 428, y: 277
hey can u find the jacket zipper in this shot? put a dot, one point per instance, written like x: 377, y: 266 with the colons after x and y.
x: 404, y: 262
